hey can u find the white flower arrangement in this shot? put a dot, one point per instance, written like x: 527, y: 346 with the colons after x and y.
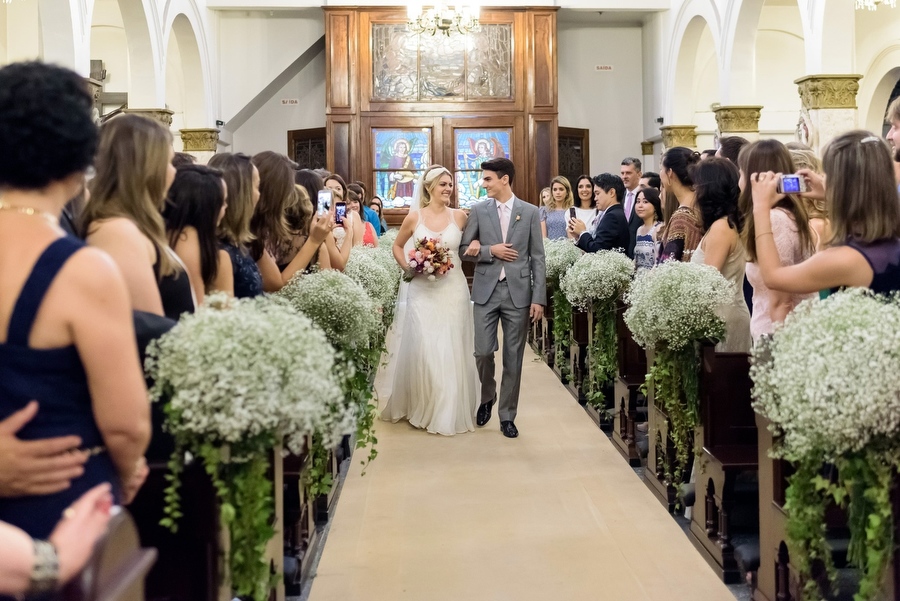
x: 597, y: 277
x: 677, y: 303
x: 559, y: 255
x: 829, y: 377
x: 250, y: 368
x: 336, y: 303
x: 386, y: 240
x: 378, y: 282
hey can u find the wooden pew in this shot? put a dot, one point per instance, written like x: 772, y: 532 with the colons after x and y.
x: 728, y: 435
x: 632, y: 372
x: 117, y: 567
x: 547, y: 342
x: 660, y: 453
x: 577, y: 355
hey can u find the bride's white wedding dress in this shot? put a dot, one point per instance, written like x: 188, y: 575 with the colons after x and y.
x: 434, y: 378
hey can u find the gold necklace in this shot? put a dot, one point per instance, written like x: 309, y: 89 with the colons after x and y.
x: 50, y: 217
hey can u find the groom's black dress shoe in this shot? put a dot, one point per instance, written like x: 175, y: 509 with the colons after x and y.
x: 509, y: 429
x: 484, y: 413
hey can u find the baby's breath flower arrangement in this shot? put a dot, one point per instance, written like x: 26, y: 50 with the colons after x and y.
x: 236, y: 376
x: 345, y: 312
x: 829, y: 380
x: 386, y: 240
x: 559, y: 256
x: 595, y: 283
x: 365, y: 268
x: 671, y: 308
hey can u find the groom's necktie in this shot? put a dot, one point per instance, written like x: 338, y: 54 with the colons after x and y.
x: 503, y: 207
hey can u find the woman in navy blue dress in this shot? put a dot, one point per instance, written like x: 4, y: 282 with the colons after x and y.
x: 66, y: 334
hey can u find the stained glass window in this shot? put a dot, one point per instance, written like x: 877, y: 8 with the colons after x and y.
x: 473, y: 147
x: 399, y: 155
x: 411, y: 67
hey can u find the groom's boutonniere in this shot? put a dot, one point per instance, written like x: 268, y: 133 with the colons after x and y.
x: 518, y: 217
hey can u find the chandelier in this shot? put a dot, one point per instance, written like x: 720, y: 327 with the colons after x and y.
x: 873, y: 4
x: 463, y: 18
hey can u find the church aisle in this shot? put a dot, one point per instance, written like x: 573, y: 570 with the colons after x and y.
x: 554, y: 514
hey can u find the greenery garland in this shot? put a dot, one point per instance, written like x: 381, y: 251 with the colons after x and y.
x: 602, y: 352
x: 562, y: 331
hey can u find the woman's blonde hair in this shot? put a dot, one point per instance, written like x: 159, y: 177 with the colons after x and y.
x: 545, y: 200
x: 429, y: 181
x: 860, y: 191
x: 569, y: 200
x: 237, y: 171
x: 806, y: 158
x: 131, y: 171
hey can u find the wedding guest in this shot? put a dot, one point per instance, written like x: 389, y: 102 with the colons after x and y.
x: 32, y: 568
x: 377, y: 205
x: 277, y: 197
x: 555, y: 214
x: 707, y: 154
x: 610, y: 231
x: 630, y: 172
x: 730, y: 147
x: 354, y: 205
x: 683, y: 228
x: 806, y: 158
x: 646, y: 246
x: 650, y: 179
x: 346, y: 235
x: 195, y: 206
x: 69, y: 368
x: 238, y: 275
x: 124, y: 216
x: 544, y: 197
x: 585, y: 206
x: 893, y: 136
x: 336, y: 183
x: 789, y: 227
x: 300, y: 223
x: 369, y: 213
x: 861, y: 199
x: 312, y: 183
x: 716, y: 192
x: 180, y: 159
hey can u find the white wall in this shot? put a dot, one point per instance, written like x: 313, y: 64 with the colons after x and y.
x: 608, y: 103
x: 22, y: 35
x: 267, y: 128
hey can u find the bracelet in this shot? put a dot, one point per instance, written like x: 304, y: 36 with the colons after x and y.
x: 45, y: 573
x: 758, y: 236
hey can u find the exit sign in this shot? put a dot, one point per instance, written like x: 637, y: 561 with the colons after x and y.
x: 603, y: 67
x: 290, y: 101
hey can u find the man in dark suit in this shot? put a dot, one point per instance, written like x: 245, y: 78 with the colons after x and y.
x: 610, y: 231
x: 631, y: 176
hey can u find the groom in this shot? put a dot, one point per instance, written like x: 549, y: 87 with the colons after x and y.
x: 503, y: 237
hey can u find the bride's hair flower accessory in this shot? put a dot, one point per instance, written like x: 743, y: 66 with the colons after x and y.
x: 429, y: 258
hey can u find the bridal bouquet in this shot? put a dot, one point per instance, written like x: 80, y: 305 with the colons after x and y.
x: 829, y: 380
x: 429, y: 258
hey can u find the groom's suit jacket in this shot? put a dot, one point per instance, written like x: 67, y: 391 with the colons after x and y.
x: 526, y: 276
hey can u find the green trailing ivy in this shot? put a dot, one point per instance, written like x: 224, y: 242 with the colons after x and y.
x: 562, y: 330
x: 602, y: 352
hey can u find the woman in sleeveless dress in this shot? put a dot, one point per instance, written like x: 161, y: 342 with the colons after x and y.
x: 716, y: 196
x: 861, y: 200
x: 434, y: 381
x: 66, y: 334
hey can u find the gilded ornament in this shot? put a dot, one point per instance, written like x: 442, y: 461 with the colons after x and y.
x: 828, y: 91
x: 200, y: 140
x: 679, y: 135
x: 735, y: 119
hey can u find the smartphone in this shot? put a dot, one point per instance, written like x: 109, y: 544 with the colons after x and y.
x: 340, y: 209
x: 791, y: 184
x: 571, y: 212
x: 324, y: 202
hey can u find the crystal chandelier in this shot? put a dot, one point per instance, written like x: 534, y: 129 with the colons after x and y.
x: 442, y: 18
x: 873, y: 4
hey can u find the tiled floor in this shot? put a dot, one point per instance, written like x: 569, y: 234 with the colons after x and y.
x: 555, y: 514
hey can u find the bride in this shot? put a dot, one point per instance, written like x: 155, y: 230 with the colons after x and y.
x: 434, y: 380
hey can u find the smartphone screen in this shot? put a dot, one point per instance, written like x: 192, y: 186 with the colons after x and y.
x: 790, y: 184
x: 324, y: 202
x: 340, y: 209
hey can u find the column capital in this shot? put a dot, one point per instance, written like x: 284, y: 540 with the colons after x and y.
x: 200, y: 140
x: 736, y: 119
x: 163, y: 116
x: 679, y: 135
x: 828, y: 91
x: 646, y: 148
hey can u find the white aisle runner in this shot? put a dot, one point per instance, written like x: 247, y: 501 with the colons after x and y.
x: 556, y: 514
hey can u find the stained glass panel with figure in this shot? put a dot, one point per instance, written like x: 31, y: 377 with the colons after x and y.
x: 473, y: 147
x: 398, y: 155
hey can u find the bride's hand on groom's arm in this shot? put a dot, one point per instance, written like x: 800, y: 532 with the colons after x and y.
x: 473, y: 249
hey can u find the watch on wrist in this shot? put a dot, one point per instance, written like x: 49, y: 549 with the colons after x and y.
x: 45, y: 572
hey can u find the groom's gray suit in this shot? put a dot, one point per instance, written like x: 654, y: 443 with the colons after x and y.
x: 506, y: 301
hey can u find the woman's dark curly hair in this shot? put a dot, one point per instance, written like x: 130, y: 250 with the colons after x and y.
x: 716, y: 192
x: 46, y: 129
